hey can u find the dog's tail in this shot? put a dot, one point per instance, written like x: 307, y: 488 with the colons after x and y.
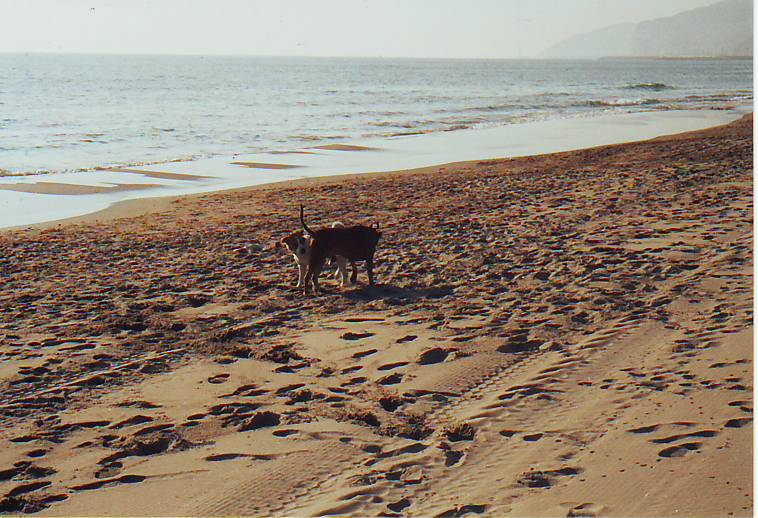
x: 302, y: 222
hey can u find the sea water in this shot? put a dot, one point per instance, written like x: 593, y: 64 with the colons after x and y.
x: 69, y: 113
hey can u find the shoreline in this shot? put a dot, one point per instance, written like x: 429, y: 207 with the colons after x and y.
x: 189, y: 170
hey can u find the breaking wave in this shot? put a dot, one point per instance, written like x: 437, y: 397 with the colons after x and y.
x: 621, y: 102
x: 657, y: 87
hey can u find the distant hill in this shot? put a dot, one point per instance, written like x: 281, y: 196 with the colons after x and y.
x: 722, y: 29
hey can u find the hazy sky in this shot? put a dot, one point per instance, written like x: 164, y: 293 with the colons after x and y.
x: 413, y: 28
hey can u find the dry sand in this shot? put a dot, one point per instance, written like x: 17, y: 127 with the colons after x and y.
x: 562, y: 335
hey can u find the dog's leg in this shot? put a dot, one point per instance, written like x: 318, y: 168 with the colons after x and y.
x: 316, y: 272
x: 316, y: 287
x: 354, y: 275
x: 302, y: 268
x: 308, y: 279
x: 370, y: 271
x: 342, y: 270
x: 315, y: 264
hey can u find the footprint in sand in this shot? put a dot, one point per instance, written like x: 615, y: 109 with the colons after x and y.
x: 79, y: 347
x: 154, y: 367
x: 140, y: 448
x: 453, y: 457
x: 398, y: 506
x: 137, y: 419
x: 432, y: 356
x: 356, y: 336
x: 390, y: 403
x: 540, y: 479
x: 680, y: 450
x: 390, y: 366
x: 284, y: 433
x: 392, y: 379
x: 532, y: 437
x: 151, y: 429
x: 672, y: 438
x: 219, y: 378
x: 644, y: 429
x: 230, y: 456
x: 25, y: 470
x: 138, y: 404
x: 109, y: 470
x: 250, y: 390
x: 738, y: 423
x: 83, y: 424
x: 459, y: 512
x: 37, y: 453
x: 233, y: 413
x: 260, y: 420
x: 301, y: 396
x: 124, y: 479
x: 743, y: 405
x: 358, y: 380
x: 460, y: 432
x: 289, y: 388
x: 587, y: 509
x: 28, y: 488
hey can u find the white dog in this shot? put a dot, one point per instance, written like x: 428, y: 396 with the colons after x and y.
x: 300, y: 247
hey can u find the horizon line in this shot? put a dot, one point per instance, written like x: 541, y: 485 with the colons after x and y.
x: 240, y: 54
x: 301, y: 56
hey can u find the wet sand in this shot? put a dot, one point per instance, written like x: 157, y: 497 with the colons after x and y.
x: 160, y: 174
x: 557, y: 335
x: 66, y: 189
x: 344, y: 147
x: 259, y: 165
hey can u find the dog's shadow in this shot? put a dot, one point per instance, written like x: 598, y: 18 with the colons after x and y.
x: 394, y: 293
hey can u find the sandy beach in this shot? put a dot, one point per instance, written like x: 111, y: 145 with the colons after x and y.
x: 568, y: 334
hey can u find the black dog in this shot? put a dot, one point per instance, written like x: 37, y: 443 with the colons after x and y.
x: 355, y: 243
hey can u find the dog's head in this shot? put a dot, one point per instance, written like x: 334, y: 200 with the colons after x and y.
x: 294, y: 242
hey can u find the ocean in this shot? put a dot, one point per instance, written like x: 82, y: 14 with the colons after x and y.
x: 66, y: 113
